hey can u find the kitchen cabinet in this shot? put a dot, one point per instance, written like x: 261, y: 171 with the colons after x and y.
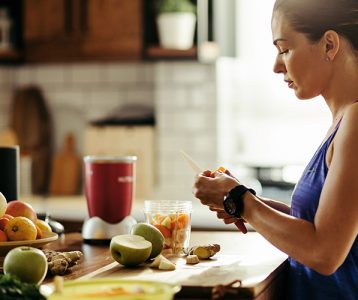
x: 123, y: 141
x: 75, y: 30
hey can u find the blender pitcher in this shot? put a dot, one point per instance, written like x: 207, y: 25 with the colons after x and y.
x: 109, y: 190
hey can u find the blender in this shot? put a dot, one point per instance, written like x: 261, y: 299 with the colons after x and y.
x: 109, y: 190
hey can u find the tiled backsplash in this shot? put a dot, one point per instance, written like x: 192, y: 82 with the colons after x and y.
x: 182, y: 93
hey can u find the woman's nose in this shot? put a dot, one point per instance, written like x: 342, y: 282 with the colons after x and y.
x: 279, y: 66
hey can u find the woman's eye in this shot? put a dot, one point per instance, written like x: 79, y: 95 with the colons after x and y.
x: 283, y: 52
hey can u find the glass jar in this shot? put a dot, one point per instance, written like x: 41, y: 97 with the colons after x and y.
x: 172, y: 218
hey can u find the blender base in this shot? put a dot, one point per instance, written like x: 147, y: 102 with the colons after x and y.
x: 97, y: 231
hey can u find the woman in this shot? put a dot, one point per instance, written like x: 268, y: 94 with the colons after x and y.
x: 317, y: 44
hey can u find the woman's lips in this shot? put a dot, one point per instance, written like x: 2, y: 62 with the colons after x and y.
x: 290, y: 83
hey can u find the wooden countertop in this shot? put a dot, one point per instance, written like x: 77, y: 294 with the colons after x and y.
x: 249, y: 258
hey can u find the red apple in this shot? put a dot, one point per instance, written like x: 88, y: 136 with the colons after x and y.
x: 21, y: 209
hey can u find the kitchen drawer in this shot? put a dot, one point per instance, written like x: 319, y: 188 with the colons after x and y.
x: 122, y: 141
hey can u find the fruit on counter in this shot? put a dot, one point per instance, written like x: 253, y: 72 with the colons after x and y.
x: 3, y: 236
x: 175, y: 228
x: 166, y: 264
x: 4, y: 220
x: 130, y: 250
x: 39, y: 233
x: 162, y: 263
x: 44, y: 226
x: 27, y: 263
x: 155, y: 263
x: 60, y: 262
x: 151, y: 234
x: 18, y: 208
x: 3, y: 204
x: 204, y: 251
x: 20, y: 229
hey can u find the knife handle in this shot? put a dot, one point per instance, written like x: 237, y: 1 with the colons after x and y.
x: 241, y: 226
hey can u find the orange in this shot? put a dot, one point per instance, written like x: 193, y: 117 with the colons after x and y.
x: 20, y: 229
x: 220, y: 169
x: 3, y: 236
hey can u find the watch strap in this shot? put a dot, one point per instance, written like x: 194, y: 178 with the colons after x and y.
x: 236, y: 196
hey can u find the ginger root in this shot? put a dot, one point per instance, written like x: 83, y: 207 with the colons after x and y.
x: 192, y: 259
x: 204, y: 251
x: 60, y: 262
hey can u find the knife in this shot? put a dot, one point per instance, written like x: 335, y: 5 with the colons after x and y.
x: 192, y: 163
x: 196, y: 168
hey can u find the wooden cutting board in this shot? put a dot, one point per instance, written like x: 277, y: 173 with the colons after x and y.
x: 200, y: 279
x: 66, y: 170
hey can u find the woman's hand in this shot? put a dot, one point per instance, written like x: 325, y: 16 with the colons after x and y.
x: 222, y: 215
x: 212, y: 190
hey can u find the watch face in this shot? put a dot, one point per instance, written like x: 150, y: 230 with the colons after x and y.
x: 230, y: 206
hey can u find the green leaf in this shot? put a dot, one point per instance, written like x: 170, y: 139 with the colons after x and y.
x: 169, y: 6
x: 12, y: 288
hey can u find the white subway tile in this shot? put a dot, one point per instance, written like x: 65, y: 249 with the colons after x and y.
x: 187, y: 72
x: 25, y: 76
x: 122, y: 73
x: 87, y: 74
x: 108, y: 97
x: 140, y: 94
x: 71, y: 97
x: 6, y: 77
x: 49, y: 75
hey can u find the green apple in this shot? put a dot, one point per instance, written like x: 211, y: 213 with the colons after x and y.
x: 151, y: 234
x: 130, y: 250
x: 27, y: 263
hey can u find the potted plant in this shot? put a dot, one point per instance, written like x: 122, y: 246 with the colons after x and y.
x: 176, y: 23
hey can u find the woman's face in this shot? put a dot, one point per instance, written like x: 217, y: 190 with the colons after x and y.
x: 300, y: 61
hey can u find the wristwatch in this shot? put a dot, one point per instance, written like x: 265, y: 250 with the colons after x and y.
x: 233, y: 201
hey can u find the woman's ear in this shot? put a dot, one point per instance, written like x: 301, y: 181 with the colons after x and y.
x: 332, y: 43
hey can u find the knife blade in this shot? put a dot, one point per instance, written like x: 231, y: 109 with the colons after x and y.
x: 191, y: 162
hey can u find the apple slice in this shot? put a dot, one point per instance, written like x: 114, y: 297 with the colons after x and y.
x: 156, y: 262
x: 130, y: 250
x: 162, y: 263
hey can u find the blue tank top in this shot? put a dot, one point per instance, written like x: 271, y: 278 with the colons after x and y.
x: 305, y: 283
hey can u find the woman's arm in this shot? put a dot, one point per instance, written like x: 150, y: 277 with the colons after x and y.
x: 324, y: 244
x: 278, y: 205
x: 335, y: 226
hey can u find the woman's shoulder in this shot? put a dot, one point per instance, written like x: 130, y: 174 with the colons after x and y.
x: 347, y: 135
x: 350, y: 117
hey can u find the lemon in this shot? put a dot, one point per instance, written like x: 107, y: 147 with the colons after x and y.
x: 44, y: 226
